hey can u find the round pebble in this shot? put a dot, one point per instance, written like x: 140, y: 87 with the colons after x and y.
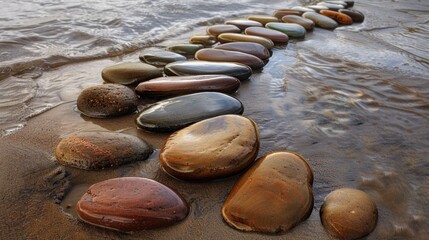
x: 235, y: 37
x: 243, y: 23
x: 254, y: 49
x: 290, y: 29
x: 306, y: 23
x: 263, y: 19
x: 187, y: 49
x: 216, y: 30
x: 161, y: 58
x: 219, y: 55
x: 321, y: 20
x: 341, y: 18
x: 273, y: 35
x: 130, y: 73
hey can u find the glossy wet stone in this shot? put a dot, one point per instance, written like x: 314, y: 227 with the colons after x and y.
x: 187, y: 49
x: 130, y: 204
x: 235, y: 37
x: 161, y: 58
x: 273, y: 35
x: 130, y: 73
x: 263, y: 19
x: 274, y: 195
x: 283, y: 12
x: 216, y: 30
x: 219, y: 55
x: 170, y: 86
x: 338, y: 17
x: 205, y: 40
x: 254, y: 49
x: 98, y: 150
x: 356, y: 16
x: 178, y: 112
x: 349, y: 213
x: 302, y: 9
x: 107, y: 100
x: 334, y: 7
x: 186, y: 68
x: 317, y: 8
x: 221, y: 146
x: 290, y: 29
x: 306, y: 23
x: 321, y: 20
x: 243, y: 23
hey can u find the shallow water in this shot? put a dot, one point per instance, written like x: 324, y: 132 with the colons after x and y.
x: 354, y: 102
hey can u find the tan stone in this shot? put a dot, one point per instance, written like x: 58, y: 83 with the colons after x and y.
x: 235, y: 37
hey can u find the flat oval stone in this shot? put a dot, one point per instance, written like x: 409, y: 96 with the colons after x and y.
x: 274, y: 195
x: 349, y: 213
x: 334, y: 7
x: 98, y: 150
x: 161, y: 58
x: 283, y: 12
x: 306, y: 23
x: 254, y: 49
x: 321, y: 20
x: 219, y: 55
x: 302, y: 9
x: 356, y: 16
x: 290, y: 29
x: 107, y: 100
x: 186, y: 68
x: 273, y: 35
x: 205, y: 40
x: 130, y: 73
x: 317, y: 8
x: 130, y: 204
x: 178, y: 112
x: 243, y: 23
x: 170, y: 86
x: 263, y: 19
x: 235, y: 37
x: 221, y: 146
x: 341, y: 18
x: 216, y: 30
x: 187, y: 49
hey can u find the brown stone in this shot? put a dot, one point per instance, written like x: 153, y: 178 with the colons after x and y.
x: 306, y: 23
x: 235, y: 37
x: 263, y: 19
x: 243, y: 23
x: 205, y: 40
x: 356, y: 16
x: 283, y: 12
x: 341, y: 18
x: 254, y: 49
x: 130, y: 73
x: 274, y: 35
x: 219, y: 55
x: 216, y: 30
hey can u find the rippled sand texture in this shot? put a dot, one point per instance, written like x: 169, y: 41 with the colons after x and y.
x: 354, y: 102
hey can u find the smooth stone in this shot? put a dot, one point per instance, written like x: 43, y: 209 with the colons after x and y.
x: 283, y: 12
x: 186, y: 68
x: 349, y: 214
x: 290, y: 29
x: 130, y: 204
x: 243, y: 23
x: 356, y: 16
x: 161, y: 58
x: 178, y: 112
x: 342, y: 3
x: 302, y: 9
x: 107, y: 100
x: 219, y: 55
x: 350, y: 3
x: 98, y: 150
x: 130, y: 73
x: 187, y: 49
x: 273, y: 196
x: 205, y: 40
x: 321, y: 20
x: 341, y: 18
x: 334, y: 7
x: 263, y: 19
x: 273, y: 35
x: 221, y: 146
x: 254, y: 49
x: 171, y: 86
x: 306, y: 23
x: 216, y: 30
x: 235, y: 37
x: 317, y: 8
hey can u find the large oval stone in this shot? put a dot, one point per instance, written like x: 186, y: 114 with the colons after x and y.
x: 349, y: 214
x: 273, y: 35
x: 254, y: 49
x: 306, y: 23
x: 170, y: 86
x: 161, y: 58
x: 263, y: 19
x: 235, y: 37
x: 283, y: 12
x: 219, y: 55
x: 356, y: 16
x: 221, y: 146
x: 130, y: 73
x: 243, y: 23
x: 130, y: 204
x: 321, y: 20
x: 178, y: 112
x: 98, y: 150
x: 274, y: 195
x: 290, y: 29
x: 341, y: 18
x: 216, y: 30
x: 186, y: 68
x: 107, y: 100
x: 206, y: 40
x: 187, y: 49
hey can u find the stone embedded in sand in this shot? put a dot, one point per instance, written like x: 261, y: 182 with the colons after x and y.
x: 130, y: 73
x: 274, y: 195
x: 161, y: 58
x: 283, y: 12
x: 131, y: 204
x: 216, y: 30
x: 291, y: 29
x: 235, y: 37
x: 334, y: 7
x: 302, y: 9
x: 273, y: 35
x: 341, y: 18
x: 321, y: 20
x: 170, y: 86
x: 219, y: 55
x: 178, y: 112
x: 243, y: 23
x: 221, y: 146
x: 254, y: 49
x: 205, y: 40
x: 187, y: 68
x: 187, y: 49
x: 98, y: 150
x: 107, y: 100
x: 306, y: 23
x: 356, y: 16
x: 263, y: 19
x: 317, y: 8
x: 349, y: 214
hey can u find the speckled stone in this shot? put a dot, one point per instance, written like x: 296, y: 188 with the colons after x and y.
x: 216, y: 30
x: 130, y: 73
x: 283, y: 12
x: 235, y: 37
x: 205, y: 40
x: 263, y: 19
x: 130, y: 204
x: 306, y: 23
x: 321, y: 20
x: 356, y: 16
x: 274, y: 195
x: 98, y: 150
x: 290, y: 29
x: 273, y: 35
x: 340, y: 18
x: 187, y: 49
x: 219, y: 55
x: 161, y: 58
x: 243, y: 23
x: 221, y: 146
x: 254, y: 49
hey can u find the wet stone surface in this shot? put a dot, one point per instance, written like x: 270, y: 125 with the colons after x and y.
x: 254, y: 49
x: 273, y: 35
x: 161, y: 58
x: 130, y: 73
x: 219, y: 55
